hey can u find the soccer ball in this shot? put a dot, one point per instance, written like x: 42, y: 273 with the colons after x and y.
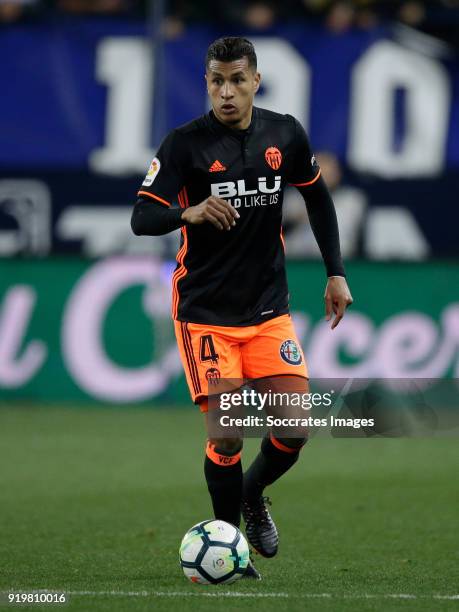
x: 214, y: 552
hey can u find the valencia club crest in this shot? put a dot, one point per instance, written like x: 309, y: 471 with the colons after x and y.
x: 273, y: 157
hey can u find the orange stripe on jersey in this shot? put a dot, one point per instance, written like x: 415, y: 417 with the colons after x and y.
x: 282, y: 239
x: 221, y: 459
x: 175, y: 278
x: 179, y: 273
x: 180, y: 270
x: 175, y: 295
x: 308, y: 183
x: 155, y: 197
x: 183, y: 198
x: 185, y: 193
x: 180, y: 254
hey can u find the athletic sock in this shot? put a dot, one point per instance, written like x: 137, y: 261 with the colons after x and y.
x: 223, y: 473
x: 273, y: 460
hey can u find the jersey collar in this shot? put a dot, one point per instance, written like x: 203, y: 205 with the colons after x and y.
x: 224, y: 129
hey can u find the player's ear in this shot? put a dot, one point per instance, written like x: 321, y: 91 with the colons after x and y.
x: 207, y: 82
x: 256, y: 82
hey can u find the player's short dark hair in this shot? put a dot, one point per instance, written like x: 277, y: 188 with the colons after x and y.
x: 231, y: 48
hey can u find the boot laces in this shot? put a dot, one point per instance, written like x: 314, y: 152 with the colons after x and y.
x: 258, y: 512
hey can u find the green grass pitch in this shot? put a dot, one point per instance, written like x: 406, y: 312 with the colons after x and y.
x: 94, y: 502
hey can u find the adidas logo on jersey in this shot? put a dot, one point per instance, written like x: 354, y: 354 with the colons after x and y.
x: 217, y: 167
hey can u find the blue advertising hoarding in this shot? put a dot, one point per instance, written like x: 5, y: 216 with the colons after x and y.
x: 79, y: 102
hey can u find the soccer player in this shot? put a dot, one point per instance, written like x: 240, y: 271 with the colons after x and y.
x: 228, y: 170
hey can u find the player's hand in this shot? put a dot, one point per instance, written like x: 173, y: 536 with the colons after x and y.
x: 337, y: 299
x: 213, y: 210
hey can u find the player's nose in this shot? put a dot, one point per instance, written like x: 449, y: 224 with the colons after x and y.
x: 226, y: 91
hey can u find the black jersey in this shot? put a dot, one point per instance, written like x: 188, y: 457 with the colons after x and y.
x: 236, y: 277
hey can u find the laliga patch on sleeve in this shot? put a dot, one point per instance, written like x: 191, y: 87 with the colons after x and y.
x: 152, y: 172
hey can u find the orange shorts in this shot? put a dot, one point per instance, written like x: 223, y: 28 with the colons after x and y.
x: 210, y: 352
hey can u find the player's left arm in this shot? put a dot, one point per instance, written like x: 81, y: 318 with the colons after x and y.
x: 337, y: 298
x: 305, y: 175
x: 324, y: 224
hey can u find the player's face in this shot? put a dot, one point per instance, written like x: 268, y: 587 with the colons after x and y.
x: 231, y: 87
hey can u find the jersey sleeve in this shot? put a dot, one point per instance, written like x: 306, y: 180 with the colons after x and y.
x: 166, y: 174
x: 304, y: 169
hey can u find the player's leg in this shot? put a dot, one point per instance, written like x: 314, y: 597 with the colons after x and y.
x: 279, y: 449
x: 275, y: 358
x: 223, y: 472
x: 210, y: 354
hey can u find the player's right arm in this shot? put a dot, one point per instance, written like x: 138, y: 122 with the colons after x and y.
x: 154, y: 220
x: 153, y: 214
x: 214, y: 210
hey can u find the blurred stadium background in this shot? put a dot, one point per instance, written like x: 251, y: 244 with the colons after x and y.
x: 88, y: 90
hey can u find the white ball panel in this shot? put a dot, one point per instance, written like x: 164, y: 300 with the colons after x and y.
x: 191, y: 546
x: 220, y: 531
